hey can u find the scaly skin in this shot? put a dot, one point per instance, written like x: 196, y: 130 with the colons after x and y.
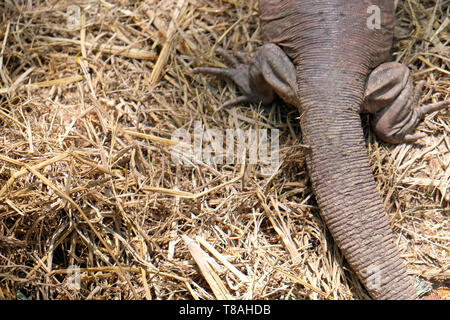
x: 319, y: 56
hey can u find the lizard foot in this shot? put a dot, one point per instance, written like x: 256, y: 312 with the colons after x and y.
x: 270, y: 71
x: 393, y: 102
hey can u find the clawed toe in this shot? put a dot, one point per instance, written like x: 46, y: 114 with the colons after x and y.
x: 232, y: 60
x: 238, y: 73
x: 419, y: 113
x: 422, y: 111
x: 221, y: 72
x: 418, y: 91
x: 413, y: 137
x: 235, y: 101
x: 243, y: 58
x: 238, y: 63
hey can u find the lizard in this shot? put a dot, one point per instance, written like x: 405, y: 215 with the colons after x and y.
x: 329, y: 60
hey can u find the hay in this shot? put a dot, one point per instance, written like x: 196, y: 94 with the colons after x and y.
x: 93, y: 207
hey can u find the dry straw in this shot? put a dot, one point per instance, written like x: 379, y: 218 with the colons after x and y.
x: 88, y: 105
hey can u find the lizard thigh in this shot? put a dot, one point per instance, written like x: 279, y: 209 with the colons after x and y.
x: 392, y: 101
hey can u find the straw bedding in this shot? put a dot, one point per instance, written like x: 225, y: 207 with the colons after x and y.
x: 92, y: 205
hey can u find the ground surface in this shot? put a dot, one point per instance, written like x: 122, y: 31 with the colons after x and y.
x: 93, y: 205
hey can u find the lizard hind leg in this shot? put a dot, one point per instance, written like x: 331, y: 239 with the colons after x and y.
x: 270, y: 71
x: 392, y: 100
